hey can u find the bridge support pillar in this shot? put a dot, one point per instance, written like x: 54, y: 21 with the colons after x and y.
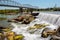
x: 31, y: 10
x: 27, y: 10
x: 21, y: 10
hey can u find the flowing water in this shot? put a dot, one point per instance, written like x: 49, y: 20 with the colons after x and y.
x: 51, y: 17
x: 5, y: 23
x: 7, y: 17
x: 22, y: 28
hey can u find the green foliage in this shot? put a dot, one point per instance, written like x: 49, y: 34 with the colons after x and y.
x: 2, y: 19
x: 50, y: 9
x: 6, y: 11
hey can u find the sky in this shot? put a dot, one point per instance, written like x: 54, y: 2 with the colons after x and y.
x: 39, y: 3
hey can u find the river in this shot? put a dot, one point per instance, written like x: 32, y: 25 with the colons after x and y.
x: 5, y: 23
x: 22, y: 29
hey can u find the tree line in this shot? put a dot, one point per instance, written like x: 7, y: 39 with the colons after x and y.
x: 6, y: 11
x: 15, y: 11
x: 50, y: 9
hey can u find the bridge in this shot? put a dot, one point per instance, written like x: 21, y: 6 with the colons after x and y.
x: 10, y: 3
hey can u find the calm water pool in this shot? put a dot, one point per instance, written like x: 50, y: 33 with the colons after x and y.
x: 4, y: 22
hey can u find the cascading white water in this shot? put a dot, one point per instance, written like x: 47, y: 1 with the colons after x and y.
x: 22, y: 29
x: 28, y: 36
x: 58, y: 21
x: 51, y: 18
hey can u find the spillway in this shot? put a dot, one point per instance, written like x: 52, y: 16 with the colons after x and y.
x: 52, y: 19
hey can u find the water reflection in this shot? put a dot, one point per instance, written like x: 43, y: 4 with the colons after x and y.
x: 4, y: 18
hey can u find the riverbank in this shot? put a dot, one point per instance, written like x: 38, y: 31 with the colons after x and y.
x: 2, y: 19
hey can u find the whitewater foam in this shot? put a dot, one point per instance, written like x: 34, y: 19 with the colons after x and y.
x: 23, y: 30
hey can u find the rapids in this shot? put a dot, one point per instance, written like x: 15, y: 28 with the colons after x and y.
x: 42, y: 18
x: 22, y: 29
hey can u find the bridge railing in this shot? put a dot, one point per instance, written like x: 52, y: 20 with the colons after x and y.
x: 8, y: 2
x: 13, y: 3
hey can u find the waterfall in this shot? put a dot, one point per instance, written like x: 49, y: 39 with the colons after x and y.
x: 58, y: 21
x: 51, y: 18
x: 22, y: 29
x: 27, y: 36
